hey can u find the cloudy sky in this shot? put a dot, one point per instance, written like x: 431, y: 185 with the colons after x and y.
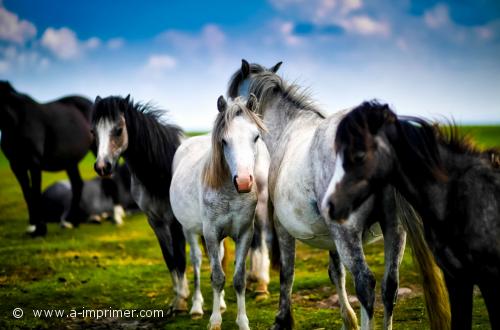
x: 424, y: 57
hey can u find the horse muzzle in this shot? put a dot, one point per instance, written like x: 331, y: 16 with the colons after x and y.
x: 103, y: 168
x: 243, y: 183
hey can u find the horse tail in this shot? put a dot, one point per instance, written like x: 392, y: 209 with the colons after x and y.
x: 435, y: 292
x: 275, y: 247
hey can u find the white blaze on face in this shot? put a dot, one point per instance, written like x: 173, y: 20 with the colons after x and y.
x: 240, y: 147
x: 103, y: 132
x: 338, y: 174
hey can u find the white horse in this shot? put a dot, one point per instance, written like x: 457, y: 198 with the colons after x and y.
x: 303, y: 170
x: 213, y: 194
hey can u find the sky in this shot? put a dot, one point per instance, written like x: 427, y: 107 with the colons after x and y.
x: 438, y: 59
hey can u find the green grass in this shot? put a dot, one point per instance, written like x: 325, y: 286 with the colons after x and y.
x: 101, y: 266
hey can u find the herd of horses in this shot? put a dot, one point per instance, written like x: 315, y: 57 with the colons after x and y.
x: 273, y: 170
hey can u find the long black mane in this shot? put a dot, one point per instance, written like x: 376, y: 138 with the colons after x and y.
x: 417, y: 140
x: 151, y: 141
x: 265, y: 84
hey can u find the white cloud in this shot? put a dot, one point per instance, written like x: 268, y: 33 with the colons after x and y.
x: 365, y: 25
x: 210, y: 37
x: 115, y: 43
x: 13, y: 29
x: 437, y: 17
x: 65, y: 45
x: 160, y: 63
x: 13, y: 58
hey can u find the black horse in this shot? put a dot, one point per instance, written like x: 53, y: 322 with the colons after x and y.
x: 36, y: 137
x: 148, y: 144
x: 454, y: 187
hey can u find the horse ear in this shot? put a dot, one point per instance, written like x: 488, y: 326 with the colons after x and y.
x: 245, y: 68
x: 127, y: 99
x: 97, y: 99
x: 276, y: 67
x: 221, y: 104
x: 252, y: 102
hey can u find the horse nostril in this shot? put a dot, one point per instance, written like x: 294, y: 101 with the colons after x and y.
x: 97, y: 169
x: 331, y: 210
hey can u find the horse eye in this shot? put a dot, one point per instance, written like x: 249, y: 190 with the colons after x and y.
x: 256, y: 138
x: 359, y: 157
x: 118, y: 131
x: 92, y: 132
x: 224, y: 143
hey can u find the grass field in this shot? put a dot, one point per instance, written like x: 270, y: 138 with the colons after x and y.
x: 102, y: 266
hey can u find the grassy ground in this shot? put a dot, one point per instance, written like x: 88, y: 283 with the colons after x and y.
x: 101, y: 266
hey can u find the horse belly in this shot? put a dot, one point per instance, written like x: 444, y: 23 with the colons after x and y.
x: 296, y: 206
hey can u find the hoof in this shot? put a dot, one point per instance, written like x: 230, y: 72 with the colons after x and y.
x: 215, y: 326
x: 66, y: 225
x: 39, y: 231
x: 196, y: 316
x: 181, y: 305
x: 261, y: 296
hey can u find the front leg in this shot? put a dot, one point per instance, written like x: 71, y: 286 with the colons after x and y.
x: 36, y: 199
x: 75, y: 215
x: 242, y: 247
x: 284, y: 318
x: 196, y: 258
x: 217, y: 277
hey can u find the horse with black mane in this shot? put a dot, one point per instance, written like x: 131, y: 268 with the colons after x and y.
x: 37, y: 137
x: 148, y: 144
x: 453, y: 187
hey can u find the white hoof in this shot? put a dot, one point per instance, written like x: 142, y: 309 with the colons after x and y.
x: 65, y: 224
x: 242, y: 322
x: 196, y: 310
x: 30, y: 229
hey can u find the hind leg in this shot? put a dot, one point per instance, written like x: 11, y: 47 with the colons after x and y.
x: 173, y: 247
x: 75, y: 215
x: 196, y: 258
x: 350, y: 248
x: 284, y: 318
x: 24, y: 181
x: 460, y: 295
x: 491, y: 296
x: 336, y: 272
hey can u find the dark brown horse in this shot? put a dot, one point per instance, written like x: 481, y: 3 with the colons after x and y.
x: 36, y: 137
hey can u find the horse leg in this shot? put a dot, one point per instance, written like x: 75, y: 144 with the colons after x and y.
x: 336, y: 272
x: 174, y: 255
x: 196, y: 258
x: 491, y: 296
x: 460, y: 295
x: 350, y: 248
x: 36, y: 200
x: 218, y: 278
x: 394, y: 247
x: 110, y: 188
x: 284, y: 318
x: 259, y: 259
x: 24, y: 181
x: 75, y: 215
x: 242, y: 247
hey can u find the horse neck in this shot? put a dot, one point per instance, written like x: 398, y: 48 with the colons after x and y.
x: 280, y: 115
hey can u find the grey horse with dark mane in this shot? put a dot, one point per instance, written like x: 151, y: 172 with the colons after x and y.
x: 300, y: 139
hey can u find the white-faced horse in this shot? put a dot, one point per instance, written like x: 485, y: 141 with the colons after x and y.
x: 214, y: 192
x: 136, y: 131
x: 300, y: 139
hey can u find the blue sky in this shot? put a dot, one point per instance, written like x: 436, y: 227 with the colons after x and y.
x: 424, y: 57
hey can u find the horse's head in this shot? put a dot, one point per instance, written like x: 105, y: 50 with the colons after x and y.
x: 365, y: 158
x: 239, y: 83
x: 110, y: 132
x: 235, y: 138
x: 8, y: 115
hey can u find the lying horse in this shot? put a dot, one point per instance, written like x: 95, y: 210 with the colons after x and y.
x: 37, y: 137
x: 214, y: 193
x: 454, y: 187
x: 101, y: 197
